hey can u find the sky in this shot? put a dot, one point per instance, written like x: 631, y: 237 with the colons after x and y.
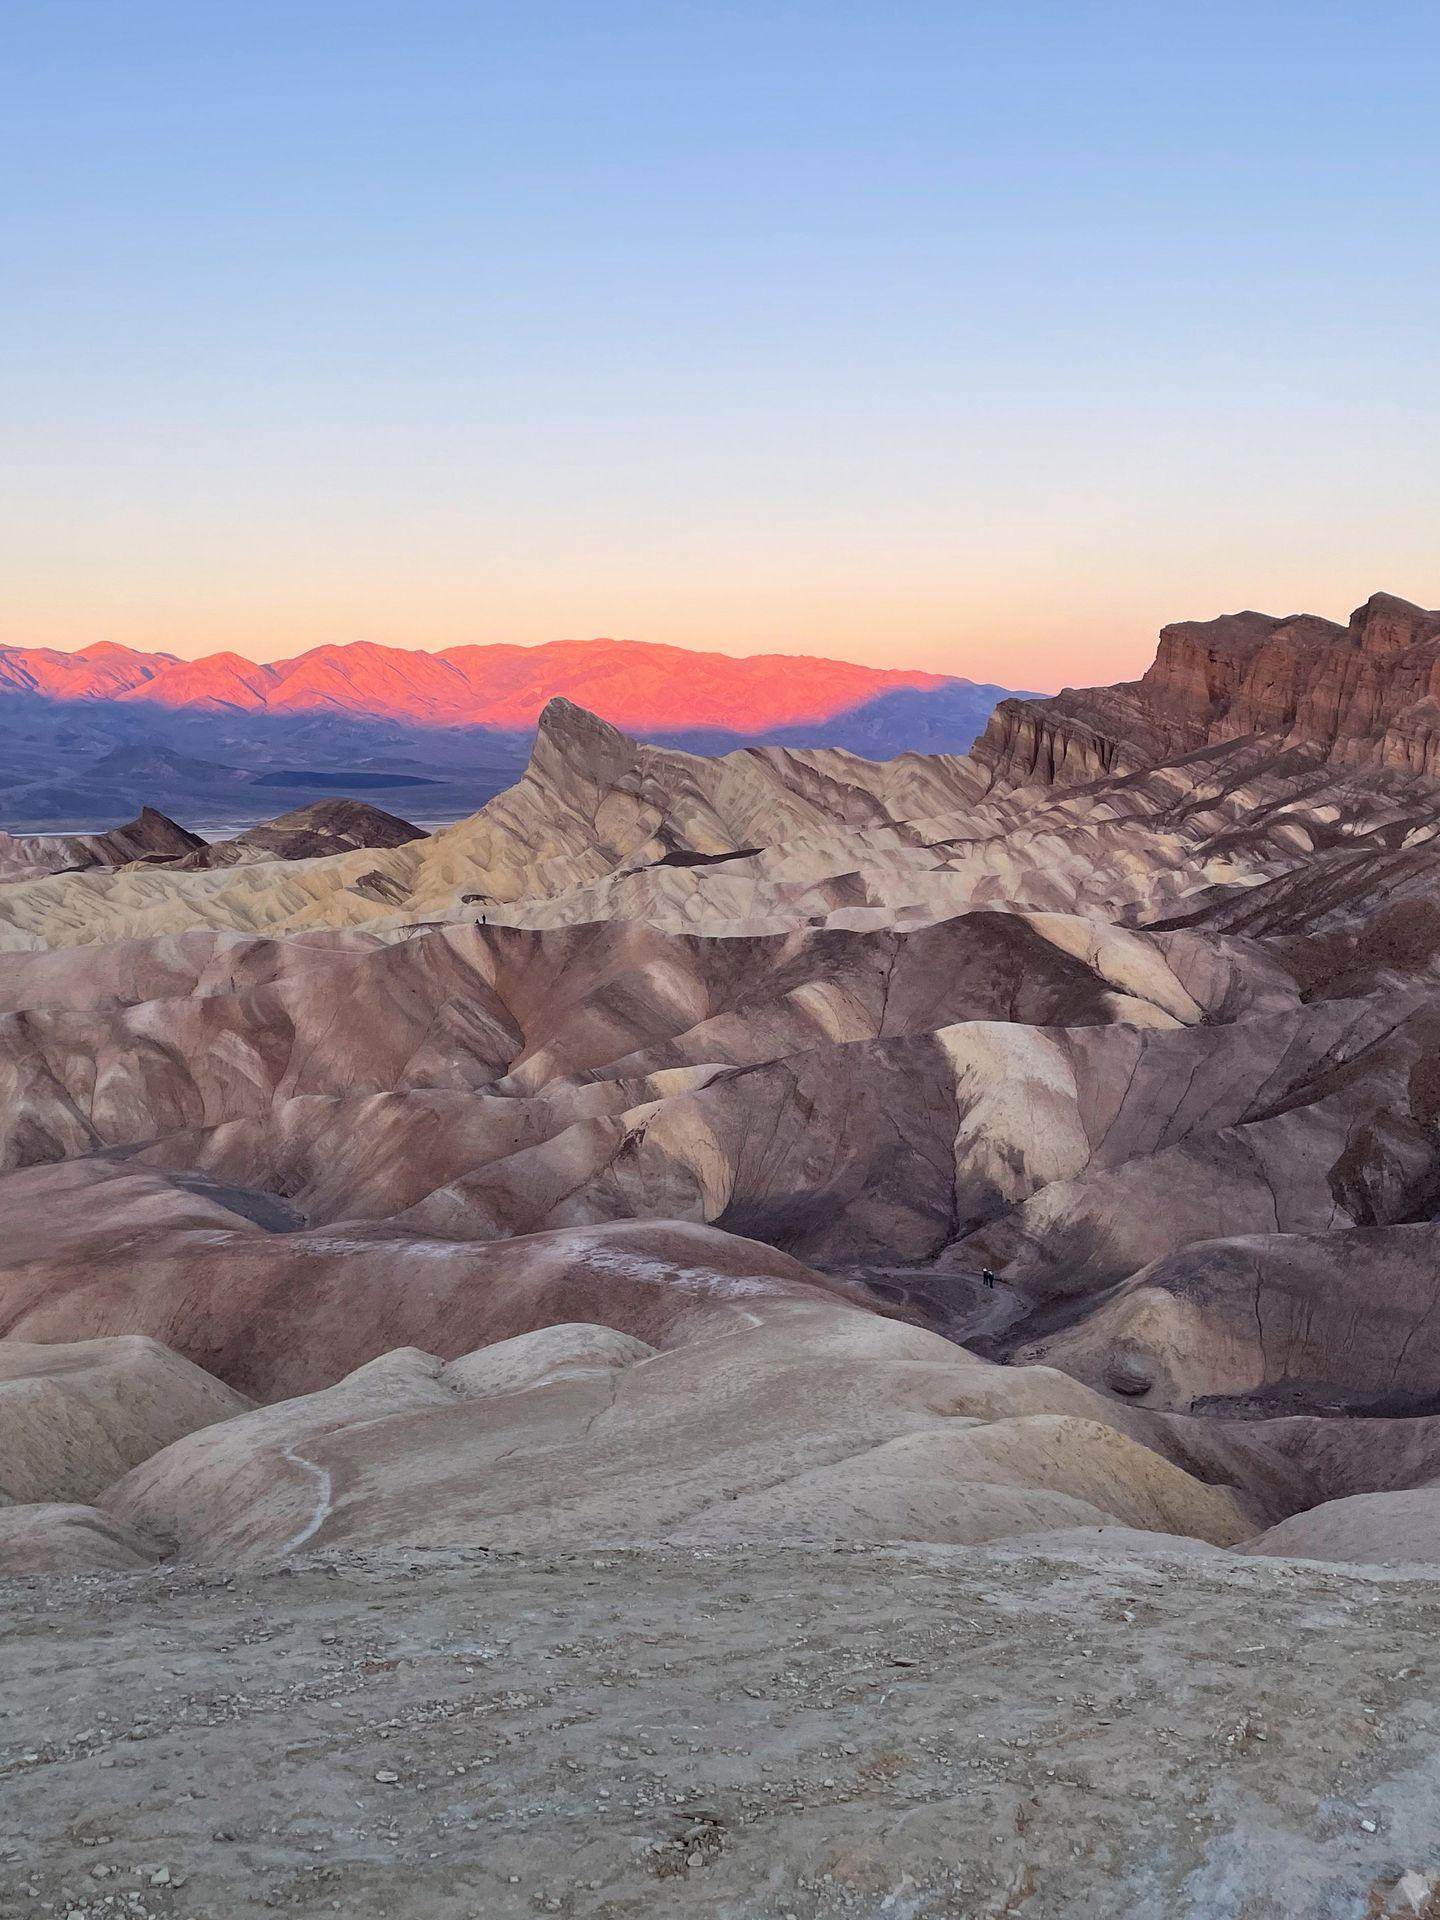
x: 981, y: 338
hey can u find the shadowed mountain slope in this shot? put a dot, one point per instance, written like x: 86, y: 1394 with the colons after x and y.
x: 647, y: 688
x: 85, y: 734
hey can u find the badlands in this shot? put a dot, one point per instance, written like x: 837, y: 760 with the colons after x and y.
x: 772, y: 1335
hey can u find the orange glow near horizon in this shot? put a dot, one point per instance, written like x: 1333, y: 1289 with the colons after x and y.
x: 981, y: 341
x: 1026, y: 638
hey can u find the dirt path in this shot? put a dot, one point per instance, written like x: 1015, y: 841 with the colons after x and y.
x: 952, y: 1301
x: 748, y: 1735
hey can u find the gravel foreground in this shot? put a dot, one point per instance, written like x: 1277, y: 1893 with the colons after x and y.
x: 1105, y: 1730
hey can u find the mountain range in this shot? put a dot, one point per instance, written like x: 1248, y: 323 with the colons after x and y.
x: 90, y: 734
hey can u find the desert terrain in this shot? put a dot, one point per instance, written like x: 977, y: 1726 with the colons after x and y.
x: 1073, y: 1729
x: 824, y: 1287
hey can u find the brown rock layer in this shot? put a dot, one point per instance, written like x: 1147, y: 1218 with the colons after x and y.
x: 1364, y: 694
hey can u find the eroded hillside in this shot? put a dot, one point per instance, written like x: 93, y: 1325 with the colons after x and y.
x: 654, y: 1130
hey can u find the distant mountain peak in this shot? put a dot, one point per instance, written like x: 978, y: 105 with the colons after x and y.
x: 638, y: 685
x: 360, y: 715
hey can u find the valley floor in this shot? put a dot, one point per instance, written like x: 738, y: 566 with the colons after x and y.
x: 1112, y: 1726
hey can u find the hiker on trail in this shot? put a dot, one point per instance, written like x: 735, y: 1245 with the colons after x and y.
x: 987, y: 1276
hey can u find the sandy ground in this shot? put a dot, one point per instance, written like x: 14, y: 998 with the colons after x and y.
x: 754, y: 1733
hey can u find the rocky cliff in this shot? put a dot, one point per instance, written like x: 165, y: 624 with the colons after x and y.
x: 1365, y: 694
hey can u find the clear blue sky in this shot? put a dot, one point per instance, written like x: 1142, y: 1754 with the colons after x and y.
x: 976, y: 337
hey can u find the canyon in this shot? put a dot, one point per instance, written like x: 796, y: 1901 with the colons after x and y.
x: 966, y: 1211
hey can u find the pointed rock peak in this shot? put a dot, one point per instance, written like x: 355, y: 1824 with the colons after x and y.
x: 571, y: 726
x: 573, y: 742
x: 151, y: 832
x: 1387, y: 624
x: 1391, y: 603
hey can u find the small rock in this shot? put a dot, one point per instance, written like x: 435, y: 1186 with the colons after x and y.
x: 387, y: 1777
x: 1130, y: 1373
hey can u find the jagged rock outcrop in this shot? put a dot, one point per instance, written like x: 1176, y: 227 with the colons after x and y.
x: 309, y: 833
x: 1366, y: 694
x: 602, y: 827
x: 151, y: 837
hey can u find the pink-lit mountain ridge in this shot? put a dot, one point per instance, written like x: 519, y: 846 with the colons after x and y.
x: 643, y: 687
x: 92, y: 736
